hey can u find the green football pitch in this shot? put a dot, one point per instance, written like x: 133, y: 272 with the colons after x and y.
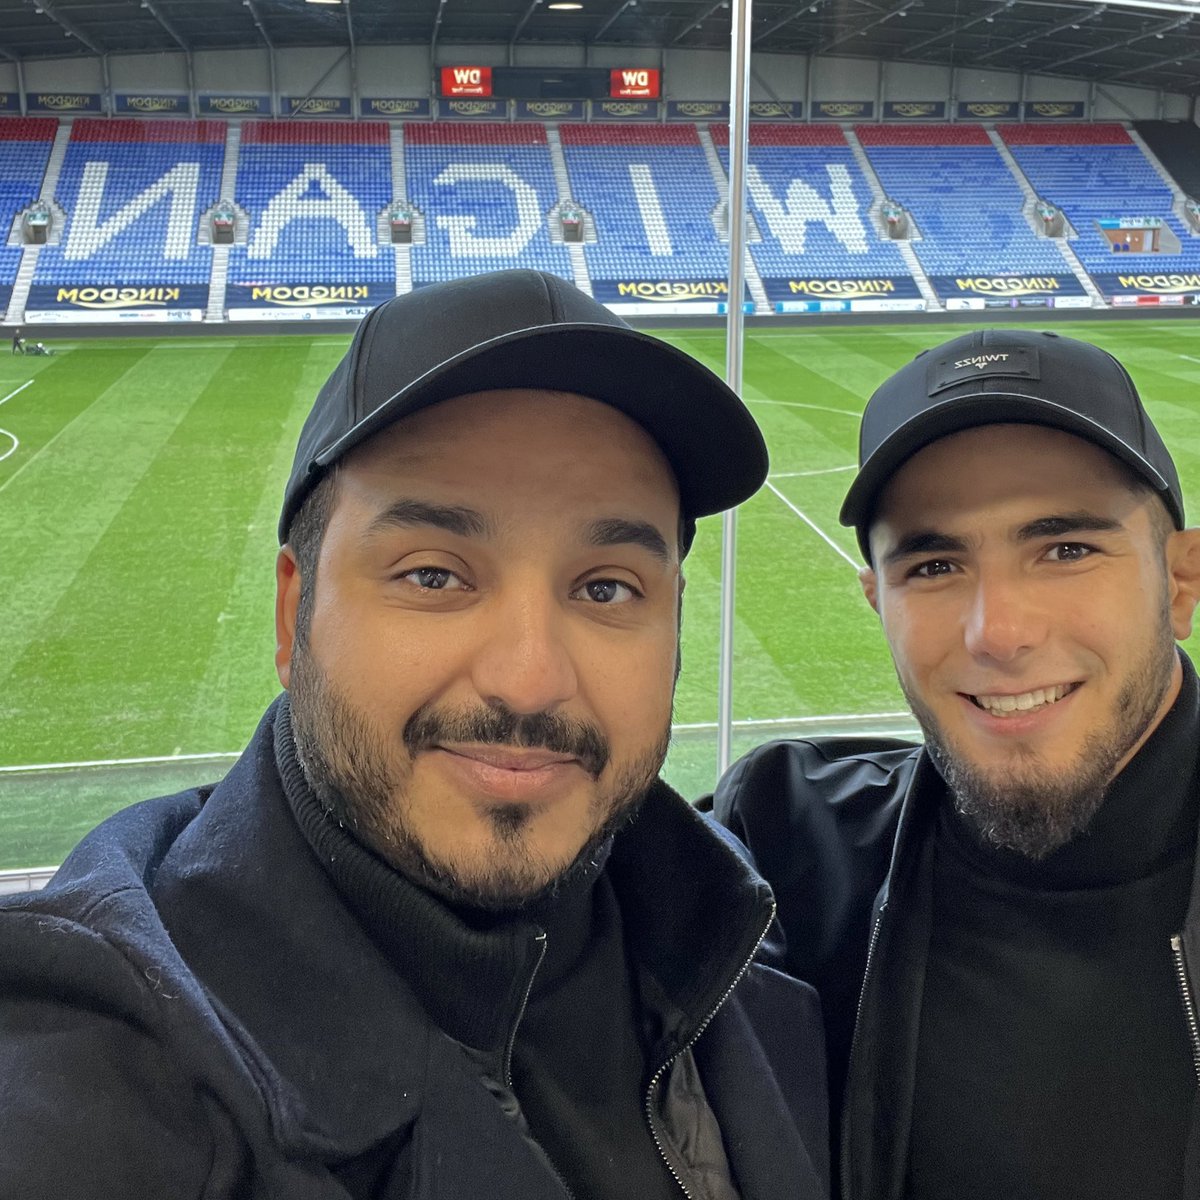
x: 140, y: 483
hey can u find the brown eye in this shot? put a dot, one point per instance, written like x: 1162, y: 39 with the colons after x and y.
x: 606, y: 591
x: 433, y: 579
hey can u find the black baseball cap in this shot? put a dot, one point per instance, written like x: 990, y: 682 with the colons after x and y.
x: 995, y: 376
x: 528, y: 329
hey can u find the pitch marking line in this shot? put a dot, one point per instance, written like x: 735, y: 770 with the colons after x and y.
x: 806, y: 474
x: 837, y: 412
x: 746, y: 723
x: 16, y: 391
x: 814, y: 526
x: 6, y: 432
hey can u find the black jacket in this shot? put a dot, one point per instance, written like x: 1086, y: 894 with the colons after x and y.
x: 842, y: 829
x: 190, y: 1009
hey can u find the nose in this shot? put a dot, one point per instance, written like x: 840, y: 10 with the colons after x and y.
x: 1005, y: 618
x: 524, y: 660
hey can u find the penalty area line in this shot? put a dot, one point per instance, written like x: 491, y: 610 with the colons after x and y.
x: 813, y: 526
x: 16, y: 391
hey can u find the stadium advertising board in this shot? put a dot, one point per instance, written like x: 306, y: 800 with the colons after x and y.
x: 776, y: 110
x: 317, y: 106
x: 163, y: 104
x: 794, y: 288
x: 1148, y: 283
x: 1005, y: 287
x: 635, y: 83
x: 51, y: 303
x: 394, y: 106
x: 843, y: 110
x: 914, y: 110
x: 697, y: 110
x: 227, y: 105
x: 988, y: 110
x: 466, y: 81
x: 1054, y: 110
x: 626, y: 110
x: 10, y: 103
x: 303, y: 301
x: 550, y: 110
x: 473, y: 110
x: 63, y: 102
x: 662, y: 296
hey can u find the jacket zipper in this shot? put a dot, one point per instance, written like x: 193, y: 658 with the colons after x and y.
x: 512, y: 1033
x: 543, y: 943
x: 862, y: 995
x: 1189, y: 1005
x: 656, y: 1078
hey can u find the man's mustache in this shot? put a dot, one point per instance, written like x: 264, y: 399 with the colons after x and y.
x: 498, y: 725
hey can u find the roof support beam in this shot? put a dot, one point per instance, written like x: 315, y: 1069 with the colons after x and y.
x: 787, y: 20
x: 617, y: 12
x: 48, y: 8
x: 953, y: 30
x: 826, y: 46
x: 516, y: 33
x: 708, y: 12
x: 433, y: 37
x: 154, y: 11
x: 1072, y: 22
x: 1165, y: 28
x: 1153, y: 65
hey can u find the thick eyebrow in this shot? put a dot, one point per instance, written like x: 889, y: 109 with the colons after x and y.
x: 406, y: 513
x: 1058, y: 526
x: 924, y: 541
x: 615, y: 531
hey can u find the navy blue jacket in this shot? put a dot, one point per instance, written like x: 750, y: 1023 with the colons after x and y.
x: 190, y: 1009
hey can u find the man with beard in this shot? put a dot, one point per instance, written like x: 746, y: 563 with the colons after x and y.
x: 442, y: 931
x: 1004, y: 925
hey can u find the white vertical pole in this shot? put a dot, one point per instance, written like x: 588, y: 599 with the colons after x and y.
x: 739, y: 112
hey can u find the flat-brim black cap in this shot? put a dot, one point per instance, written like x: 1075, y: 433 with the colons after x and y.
x: 995, y: 376
x: 527, y: 329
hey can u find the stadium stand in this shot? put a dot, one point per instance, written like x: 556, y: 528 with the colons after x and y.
x: 812, y: 205
x: 652, y: 195
x: 965, y: 202
x: 314, y: 191
x: 1095, y: 174
x: 485, y: 191
x: 133, y: 192
x: 24, y: 149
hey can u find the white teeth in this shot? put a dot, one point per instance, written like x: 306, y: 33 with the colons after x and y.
x: 1002, y: 706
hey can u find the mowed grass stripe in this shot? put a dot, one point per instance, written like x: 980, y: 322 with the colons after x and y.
x: 238, y: 679
x: 65, y: 487
x: 696, y: 695
x: 92, y: 647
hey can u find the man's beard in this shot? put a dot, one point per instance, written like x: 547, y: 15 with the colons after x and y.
x: 1024, y: 805
x: 365, y: 785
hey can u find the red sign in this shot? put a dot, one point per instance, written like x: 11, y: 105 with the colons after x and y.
x: 629, y: 83
x: 466, y: 81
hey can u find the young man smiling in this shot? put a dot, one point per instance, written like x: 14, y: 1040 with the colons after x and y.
x: 1004, y: 925
x: 442, y: 932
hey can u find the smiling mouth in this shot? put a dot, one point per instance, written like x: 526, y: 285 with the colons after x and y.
x: 1023, y: 702
x: 509, y: 759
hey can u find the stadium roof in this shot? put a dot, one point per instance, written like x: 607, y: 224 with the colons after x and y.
x: 1144, y: 43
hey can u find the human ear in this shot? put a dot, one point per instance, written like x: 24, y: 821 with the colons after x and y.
x: 1183, y: 576
x: 869, y: 582
x: 287, y: 602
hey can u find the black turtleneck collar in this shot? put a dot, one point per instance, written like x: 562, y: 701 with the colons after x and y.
x: 431, y: 942
x: 1148, y: 818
